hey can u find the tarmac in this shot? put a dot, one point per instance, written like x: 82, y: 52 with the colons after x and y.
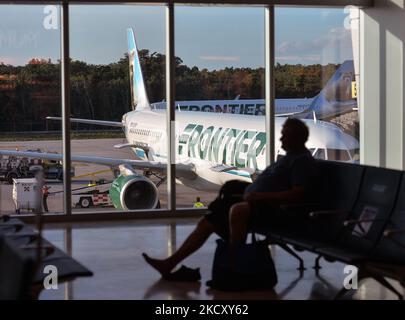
x: 185, y: 197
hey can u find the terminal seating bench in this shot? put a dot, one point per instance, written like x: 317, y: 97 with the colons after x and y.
x: 358, y: 219
x: 24, y: 254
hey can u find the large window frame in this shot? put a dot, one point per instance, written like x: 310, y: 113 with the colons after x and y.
x: 171, y: 211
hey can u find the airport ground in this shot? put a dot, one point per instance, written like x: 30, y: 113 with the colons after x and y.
x: 86, y: 172
x: 112, y: 250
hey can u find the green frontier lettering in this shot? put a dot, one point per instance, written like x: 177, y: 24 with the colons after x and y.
x: 216, y: 143
x: 193, y: 141
x: 222, y: 145
x: 204, y: 142
x: 235, y: 145
x: 184, y: 137
x: 255, y: 148
x: 228, y: 153
x: 242, y: 148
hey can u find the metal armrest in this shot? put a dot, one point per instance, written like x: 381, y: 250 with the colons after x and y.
x: 17, y: 226
x: 357, y: 221
x: 32, y: 235
x: 5, y: 218
x: 300, y: 210
x: 391, y: 232
x: 320, y: 213
x: 48, y: 249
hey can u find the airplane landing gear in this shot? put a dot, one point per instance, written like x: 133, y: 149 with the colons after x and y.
x: 161, y: 179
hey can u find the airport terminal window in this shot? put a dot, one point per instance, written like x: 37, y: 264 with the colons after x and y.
x: 220, y: 90
x: 219, y: 85
x: 105, y: 81
x: 316, y: 75
x: 30, y: 90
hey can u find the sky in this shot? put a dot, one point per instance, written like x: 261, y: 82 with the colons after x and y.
x: 206, y: 37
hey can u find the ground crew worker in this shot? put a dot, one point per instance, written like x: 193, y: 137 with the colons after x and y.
x: 198, y: 203
x: 92, y: 184
x: 45, y: 194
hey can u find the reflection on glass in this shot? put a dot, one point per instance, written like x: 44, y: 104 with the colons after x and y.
x: 118, y: 95
x: 317, y: 68
x: 114, y: 73
x: 29, y: 92
x: 219, y: 99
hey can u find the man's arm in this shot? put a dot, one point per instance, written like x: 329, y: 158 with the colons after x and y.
x: 294, y: 195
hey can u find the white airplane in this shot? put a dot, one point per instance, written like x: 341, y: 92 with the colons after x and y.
x: 210, y: 148
x: 284, y: 107
x: 334, y: 99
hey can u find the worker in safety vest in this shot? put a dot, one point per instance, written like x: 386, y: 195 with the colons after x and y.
x: 198, y: 203
x: 92, y: 184
x: 45, y: 194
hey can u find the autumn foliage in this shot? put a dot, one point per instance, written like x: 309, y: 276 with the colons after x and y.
x: 30, y: 93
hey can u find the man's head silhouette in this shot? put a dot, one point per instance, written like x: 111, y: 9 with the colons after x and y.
x: 294, y: 135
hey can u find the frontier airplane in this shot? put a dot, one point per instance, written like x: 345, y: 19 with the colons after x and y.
x: 337, y: 97
x: 210, y: 148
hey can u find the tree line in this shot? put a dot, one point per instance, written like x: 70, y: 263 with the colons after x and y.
x: 30, y: 93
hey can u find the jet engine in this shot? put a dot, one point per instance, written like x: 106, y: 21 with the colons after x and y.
x: 133, y: 192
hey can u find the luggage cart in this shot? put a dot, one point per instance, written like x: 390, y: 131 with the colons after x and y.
x: 27, y: 195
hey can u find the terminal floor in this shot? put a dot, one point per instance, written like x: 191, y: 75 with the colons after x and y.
x: 112, y: 250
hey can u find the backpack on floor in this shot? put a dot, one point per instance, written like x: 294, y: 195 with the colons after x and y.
x: 253, y: 267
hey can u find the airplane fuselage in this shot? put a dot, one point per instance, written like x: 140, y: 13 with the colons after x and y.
x: 240, y: 106
x: 212, y: 142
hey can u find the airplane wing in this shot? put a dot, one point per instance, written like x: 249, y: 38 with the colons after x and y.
x: 89, y: 121
x: 287, y: 114
x: 182, y: 170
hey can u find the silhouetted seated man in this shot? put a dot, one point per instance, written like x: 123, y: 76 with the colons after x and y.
x: 289, y: 180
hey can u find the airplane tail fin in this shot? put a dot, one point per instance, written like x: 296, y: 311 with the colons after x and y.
x: 139, y: 98
x: 338, y: 95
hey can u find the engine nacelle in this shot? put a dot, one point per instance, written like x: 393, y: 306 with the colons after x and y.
x: 133, y: 192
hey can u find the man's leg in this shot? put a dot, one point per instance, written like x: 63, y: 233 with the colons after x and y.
x: 46, y: 203
x: 193, y: 242
x: 239, y: 216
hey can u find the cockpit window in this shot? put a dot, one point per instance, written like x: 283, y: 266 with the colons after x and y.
x: 320, y: 154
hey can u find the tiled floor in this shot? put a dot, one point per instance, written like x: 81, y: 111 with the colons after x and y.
x: 113, y: 252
